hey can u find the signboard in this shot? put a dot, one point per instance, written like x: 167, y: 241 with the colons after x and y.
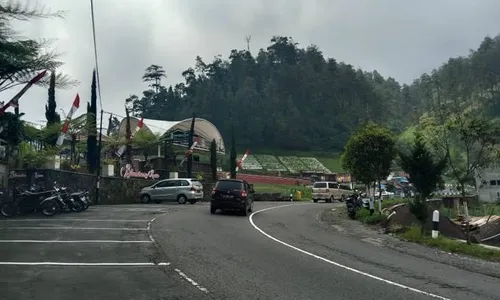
x: 22, y: 174
x: 128, y: 172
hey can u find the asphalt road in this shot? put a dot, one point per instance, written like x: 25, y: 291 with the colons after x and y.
x: 283, y: 252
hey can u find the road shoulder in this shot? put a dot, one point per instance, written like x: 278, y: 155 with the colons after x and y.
x: 336, y: 219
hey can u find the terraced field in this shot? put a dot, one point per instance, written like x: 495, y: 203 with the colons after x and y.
x: 250, y: 163
x: 270, y: 163
x: 292, y: 164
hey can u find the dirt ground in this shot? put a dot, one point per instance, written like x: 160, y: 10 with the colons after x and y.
x: 404, y: 218
x: 489, y: 230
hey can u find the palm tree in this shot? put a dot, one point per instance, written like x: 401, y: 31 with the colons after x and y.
x: 147, y: 143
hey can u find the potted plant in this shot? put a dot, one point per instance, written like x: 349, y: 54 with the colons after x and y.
x: 108, y: 168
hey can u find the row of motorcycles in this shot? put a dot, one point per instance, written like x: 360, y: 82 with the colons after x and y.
x: 48, y: 202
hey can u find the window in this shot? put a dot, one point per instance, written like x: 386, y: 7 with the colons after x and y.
x: 196, y: 183
x: 333, y: 185
x: 183, y: 182
x: 162, y: 184
x: 229, y: 185
x: 493, y: 182
x: 345, y: 187
x: 319, y: 185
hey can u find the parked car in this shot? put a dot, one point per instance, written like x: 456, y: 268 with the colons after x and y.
x: 232, y: 194
x: 181, y: 190
x: 329, y: 191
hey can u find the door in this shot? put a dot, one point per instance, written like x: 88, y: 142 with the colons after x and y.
x: 159, y: 190
x: 171, y: 190
x: 334, y: 190
x: 184, y: 187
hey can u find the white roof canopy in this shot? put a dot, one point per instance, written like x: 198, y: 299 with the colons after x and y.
x: 202, y: 128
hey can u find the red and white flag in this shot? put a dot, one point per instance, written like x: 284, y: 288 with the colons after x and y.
x: 14, y: 102
x: 239, y: 164
x: 189, y: 152
x: 65, y: 127
x: 122, y: 148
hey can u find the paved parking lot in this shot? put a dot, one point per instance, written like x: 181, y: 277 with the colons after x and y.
x: 106, y: 252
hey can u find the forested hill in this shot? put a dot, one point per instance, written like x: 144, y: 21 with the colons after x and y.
x: 287, y: 97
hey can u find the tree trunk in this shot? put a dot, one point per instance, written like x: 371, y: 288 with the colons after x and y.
x: 464, y: 200
x: 379, y: 196
x: 73, y: 149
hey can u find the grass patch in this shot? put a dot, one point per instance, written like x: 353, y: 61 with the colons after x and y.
x: 449, y: 245
x: 332, y: 163
x: 363, y: 215
x: 393, y: 201
x: 283, y: 189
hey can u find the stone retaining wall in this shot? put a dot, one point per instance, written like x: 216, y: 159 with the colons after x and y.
x: 113, y: 190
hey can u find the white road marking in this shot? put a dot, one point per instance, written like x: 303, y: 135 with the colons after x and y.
x: 73, y: 228
x: 75, y: 241
x: 69, y: 219
x: 336, y: 263
x: 144, y: 264
x: 151, y: 238
x: 185, y: 277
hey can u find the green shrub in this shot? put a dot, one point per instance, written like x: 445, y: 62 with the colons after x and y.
x: 364, y: 216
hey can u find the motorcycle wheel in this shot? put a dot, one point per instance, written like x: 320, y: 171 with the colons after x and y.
x: 8, y: 209
x: 85, y: 204
x: 77, y: 206
x: 351, y: 211
x: 49, y: 208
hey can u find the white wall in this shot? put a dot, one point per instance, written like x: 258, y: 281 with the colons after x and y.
x: 488, y: 185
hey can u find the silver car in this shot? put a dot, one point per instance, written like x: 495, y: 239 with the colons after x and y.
x: 181, y: 190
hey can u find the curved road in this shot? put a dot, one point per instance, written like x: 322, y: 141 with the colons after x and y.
x: 283, y: 252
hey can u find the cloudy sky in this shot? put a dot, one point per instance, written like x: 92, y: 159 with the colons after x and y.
x: 399, y: 38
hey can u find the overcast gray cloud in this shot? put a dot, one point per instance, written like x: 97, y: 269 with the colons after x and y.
x: 399, y: 38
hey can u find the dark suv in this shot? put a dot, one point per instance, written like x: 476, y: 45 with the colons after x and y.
x: 232, y: 194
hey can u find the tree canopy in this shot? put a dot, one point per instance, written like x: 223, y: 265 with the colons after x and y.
x: 295, y: 98
x: 369, y: 154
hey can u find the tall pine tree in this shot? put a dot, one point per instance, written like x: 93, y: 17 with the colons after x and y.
x: 128, y: 138
x: 232, y: 155
x: 53, y: 118
x: 190, y: 143
x: 92, y: 152
x: 213, y: 159
x: 50, y: 108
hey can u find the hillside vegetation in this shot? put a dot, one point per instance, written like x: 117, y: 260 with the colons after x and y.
x: 295, y: 99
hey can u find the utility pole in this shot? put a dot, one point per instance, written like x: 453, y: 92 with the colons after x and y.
x: 248, y: 38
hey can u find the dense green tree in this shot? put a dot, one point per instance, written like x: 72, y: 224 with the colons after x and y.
x: 425, y: 175
x: 290, y: 97
x: 232, y: 156
x: 92, y: 150
x: 51, y: 113
x: 369, y: 154
x: 213, y: 159
x: 189, y: 163
x: 128, y: 138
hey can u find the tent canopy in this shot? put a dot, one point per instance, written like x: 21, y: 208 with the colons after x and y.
x: 202, y: 128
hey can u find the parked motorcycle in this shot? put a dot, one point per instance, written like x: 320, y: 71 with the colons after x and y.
x: 68, y: 202
x: 27, y: 201
x: 353, y: 203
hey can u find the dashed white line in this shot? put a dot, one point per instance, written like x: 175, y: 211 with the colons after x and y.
x: 194, y: 283
x: 74, y: 241
x: 336, y: 263
x: 148, y: 228
x: 143, y: 264
x: 74, y: 228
